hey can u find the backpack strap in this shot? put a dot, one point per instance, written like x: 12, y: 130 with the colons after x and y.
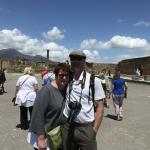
x: 92, y: 89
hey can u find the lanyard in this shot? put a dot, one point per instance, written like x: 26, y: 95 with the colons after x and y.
x: 82, y: 86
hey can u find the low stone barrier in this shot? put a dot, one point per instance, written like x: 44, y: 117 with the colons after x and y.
x: 137, y: 78
x: 147, y: 77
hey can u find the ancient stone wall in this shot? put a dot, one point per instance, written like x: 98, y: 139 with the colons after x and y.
x: 98, y: 68
x: 18, y: 65
x: 129, y: 66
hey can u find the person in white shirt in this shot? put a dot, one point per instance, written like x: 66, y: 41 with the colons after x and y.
x: 138, y: 72
x: 106, y: 84
x: 83, y: 122
x: 25, y: 94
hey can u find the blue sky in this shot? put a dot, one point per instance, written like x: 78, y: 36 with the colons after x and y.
x: 106, y: 30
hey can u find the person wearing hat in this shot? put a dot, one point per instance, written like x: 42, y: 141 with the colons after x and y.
x: 83, y: 122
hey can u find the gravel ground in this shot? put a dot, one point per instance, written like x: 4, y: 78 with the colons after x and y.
x: 133, y: 133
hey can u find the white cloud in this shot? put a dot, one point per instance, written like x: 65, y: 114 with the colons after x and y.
x: 16, y: 39
x: 27, y: 45
x: 128, y: 42
x: 93, y: 43
x: 33, y: 46
x: 142, y: 23
x: 92, y: 56
x: 57, y: 52
x: 54, y: 34
x: 118, y: 42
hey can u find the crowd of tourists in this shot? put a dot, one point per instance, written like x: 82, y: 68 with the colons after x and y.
x: 66, y: 113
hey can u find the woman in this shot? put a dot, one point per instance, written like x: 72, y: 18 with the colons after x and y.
x: 48, y: 108
x: 119, y: 88
x: 26, y: 88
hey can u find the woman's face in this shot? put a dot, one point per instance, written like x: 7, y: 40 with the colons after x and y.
x: 62, y: 79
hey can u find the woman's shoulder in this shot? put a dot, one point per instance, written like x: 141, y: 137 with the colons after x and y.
x: 46, y: 91
x: 43, y: 91
x: 47, y: 88
x: 34, y: 78
x: 22, y: 77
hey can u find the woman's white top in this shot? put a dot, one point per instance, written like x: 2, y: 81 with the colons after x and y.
x: 26, y: 94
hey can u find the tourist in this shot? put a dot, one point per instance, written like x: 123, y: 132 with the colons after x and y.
x: 48, y: 108
x: 84, y: 112
x: 119, y: 89
x: 47, y: 76
x: 26, y: 88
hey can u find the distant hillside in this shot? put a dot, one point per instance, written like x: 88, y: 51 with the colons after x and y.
x: 13, y: 54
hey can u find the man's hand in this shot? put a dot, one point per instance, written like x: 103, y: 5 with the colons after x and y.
x: 95, y: 130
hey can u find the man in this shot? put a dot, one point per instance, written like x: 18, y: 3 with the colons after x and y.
x: 83, y: 123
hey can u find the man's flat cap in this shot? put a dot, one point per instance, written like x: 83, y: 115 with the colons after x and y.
x: 77, y: 53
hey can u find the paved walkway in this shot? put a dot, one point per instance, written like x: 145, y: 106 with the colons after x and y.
x: 133, y: 133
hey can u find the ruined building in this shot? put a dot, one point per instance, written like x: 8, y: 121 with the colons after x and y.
x: 129, y: 66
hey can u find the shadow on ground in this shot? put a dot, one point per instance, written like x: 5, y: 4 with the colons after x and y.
x: 111, y: 116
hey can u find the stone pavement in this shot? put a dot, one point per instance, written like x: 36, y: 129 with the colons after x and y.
x: 133, y: 133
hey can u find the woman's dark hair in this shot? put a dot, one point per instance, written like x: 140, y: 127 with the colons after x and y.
x: 116, y: 75
x: 62, y: 66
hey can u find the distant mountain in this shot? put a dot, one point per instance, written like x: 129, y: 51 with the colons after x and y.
x: 11, y: 53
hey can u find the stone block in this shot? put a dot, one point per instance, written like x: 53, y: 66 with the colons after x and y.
x: 147, y: 77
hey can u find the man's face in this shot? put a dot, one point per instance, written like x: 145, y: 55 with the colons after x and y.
x: 77, y: 63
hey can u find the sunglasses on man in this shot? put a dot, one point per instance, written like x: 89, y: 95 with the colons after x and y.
x: 76, y: 58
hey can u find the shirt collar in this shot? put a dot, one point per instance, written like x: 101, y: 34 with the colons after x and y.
x: 80, y: 78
